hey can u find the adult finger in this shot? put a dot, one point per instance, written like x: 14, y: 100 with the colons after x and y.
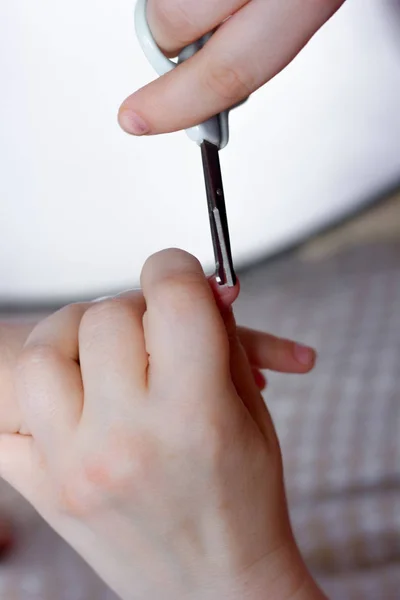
x: 225, y: 71
x: 177, y: 23
x: 265, y: 351
x: 185, y: 333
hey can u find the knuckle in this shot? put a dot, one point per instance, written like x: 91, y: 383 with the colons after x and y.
x: 100, y: 311
x: 227, y: 82
x: 72, y: 310
x: 178, y: 295
x: 118, y: 472
x: 36, y: 356
x: 103, y: 313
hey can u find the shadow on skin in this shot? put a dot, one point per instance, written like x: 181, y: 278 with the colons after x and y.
x: 6, y: 538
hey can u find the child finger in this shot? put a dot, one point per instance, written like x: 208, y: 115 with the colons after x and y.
x: 266, y: 351
x: 48, y: 381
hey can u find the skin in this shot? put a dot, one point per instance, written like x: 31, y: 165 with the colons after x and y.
x: 271, y: 33
x: 264, y: 351
x: 224, y: 72
x: 148, y: 446
x: 12, y: 338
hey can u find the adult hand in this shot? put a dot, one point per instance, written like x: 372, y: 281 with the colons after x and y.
x: 256, y: 40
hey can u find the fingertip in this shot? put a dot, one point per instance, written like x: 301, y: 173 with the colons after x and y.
x: 259, y: 379
x: 305, y: 356
x: 131, y: 122
x: 224, y: 295
x: 168, y: 264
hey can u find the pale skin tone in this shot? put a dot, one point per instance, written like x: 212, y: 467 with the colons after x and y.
x: 195, y: 509
x: 12, y: 337
x: 265, y: 352
x: 147, y: 445
x: 258, y: 40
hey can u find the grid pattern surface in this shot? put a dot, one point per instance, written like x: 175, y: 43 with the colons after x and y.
x: 340, y: 426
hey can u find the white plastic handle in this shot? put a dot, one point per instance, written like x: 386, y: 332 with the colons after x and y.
x: 156, y: 58
x: 214, y: 130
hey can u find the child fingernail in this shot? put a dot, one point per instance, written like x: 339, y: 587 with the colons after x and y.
x: 132, y: 123
x: 129, y: 293
x: 303, y: 354
x: 259, y: 379
x: 102, y: 299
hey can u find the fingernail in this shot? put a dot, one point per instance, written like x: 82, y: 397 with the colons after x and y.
x: 224, y: 295
x: 130, y: 292
x: 132, y: 123
x: 102, y: 299
x: 259, y: 379
x: 303, y: 354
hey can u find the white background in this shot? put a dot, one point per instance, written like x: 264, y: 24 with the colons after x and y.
x: 82, y: 204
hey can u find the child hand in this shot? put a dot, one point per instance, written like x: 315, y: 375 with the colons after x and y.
x: 151, y: 450
x: 264, y: 351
